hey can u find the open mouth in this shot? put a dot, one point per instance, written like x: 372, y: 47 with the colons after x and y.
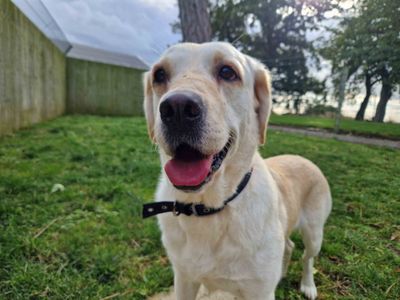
x: 189, y: 169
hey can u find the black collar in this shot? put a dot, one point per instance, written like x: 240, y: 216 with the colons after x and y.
x: 199, y: 210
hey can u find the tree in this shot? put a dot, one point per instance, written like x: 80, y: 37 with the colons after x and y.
x: 368, y: 90
x: 369, y: 40
x: 384, y: 28
x: 274, y: 31
x: 195, y: 21
x: 386, y: 93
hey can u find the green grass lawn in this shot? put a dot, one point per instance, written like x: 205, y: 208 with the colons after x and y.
x: 366, y: 128
x: 89, y: 242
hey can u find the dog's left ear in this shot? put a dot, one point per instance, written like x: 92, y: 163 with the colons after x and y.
x: 148, y: 104
x: 262, y: 92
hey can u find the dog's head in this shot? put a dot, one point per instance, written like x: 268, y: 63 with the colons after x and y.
x: 207, y: 106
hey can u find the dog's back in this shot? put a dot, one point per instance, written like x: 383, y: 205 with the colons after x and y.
x: 304, y: 190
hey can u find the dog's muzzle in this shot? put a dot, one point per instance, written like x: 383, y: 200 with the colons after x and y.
x: 182, y: 114
x: 183, y: 117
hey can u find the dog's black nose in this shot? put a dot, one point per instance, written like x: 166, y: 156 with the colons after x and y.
x: 181, y: 109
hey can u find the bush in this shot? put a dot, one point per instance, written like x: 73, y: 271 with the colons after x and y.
x: 321, y: 110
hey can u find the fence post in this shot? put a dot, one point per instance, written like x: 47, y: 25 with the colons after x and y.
x: 342, y: 88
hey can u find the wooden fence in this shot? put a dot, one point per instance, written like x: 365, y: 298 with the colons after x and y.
x: 32, y: 73
x: 103, y: 89
x: 38, y: 83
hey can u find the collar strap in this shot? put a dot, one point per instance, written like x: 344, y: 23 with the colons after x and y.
x: 197, y: 209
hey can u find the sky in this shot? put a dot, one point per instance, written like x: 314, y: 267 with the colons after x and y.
x: 137, y: 27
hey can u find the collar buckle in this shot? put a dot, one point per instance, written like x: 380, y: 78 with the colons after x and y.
x: 202, y: 210
x: 175, y: 212
x: 194, y: 209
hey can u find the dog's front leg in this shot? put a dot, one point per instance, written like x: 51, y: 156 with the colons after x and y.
x: 184, y: 288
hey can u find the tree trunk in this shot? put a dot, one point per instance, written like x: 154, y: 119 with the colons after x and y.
x: 195, y: 21
x: 363, y: 107
x: 386, y: 93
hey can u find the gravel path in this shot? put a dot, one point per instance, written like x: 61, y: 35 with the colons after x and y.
x: 341, y: 137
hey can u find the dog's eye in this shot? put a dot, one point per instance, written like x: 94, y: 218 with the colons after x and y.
x: 160, y: 76
x: 227, y: 74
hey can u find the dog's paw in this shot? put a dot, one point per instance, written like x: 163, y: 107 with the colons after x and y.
x: 310, y: 291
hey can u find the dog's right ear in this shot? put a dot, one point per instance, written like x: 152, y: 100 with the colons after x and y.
x: 148, y: 104
x: 262, y: 91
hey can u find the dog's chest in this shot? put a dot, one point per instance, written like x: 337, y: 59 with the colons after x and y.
x: 209, y: 250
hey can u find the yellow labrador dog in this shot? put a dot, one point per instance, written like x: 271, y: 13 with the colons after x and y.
x: 225, y: 213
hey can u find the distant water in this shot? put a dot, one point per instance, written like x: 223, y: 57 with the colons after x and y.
x: 350, y: 108
x: 392, y: 109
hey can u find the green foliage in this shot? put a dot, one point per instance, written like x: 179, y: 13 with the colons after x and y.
x: 321, y: 110
x: 89, y: 242
x: 369, y: 40
x: 274, y: 32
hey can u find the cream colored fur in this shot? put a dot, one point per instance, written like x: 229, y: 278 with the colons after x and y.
x: 245, y: 249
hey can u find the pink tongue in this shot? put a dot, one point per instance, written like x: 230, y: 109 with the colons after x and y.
x: 188, y: 173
